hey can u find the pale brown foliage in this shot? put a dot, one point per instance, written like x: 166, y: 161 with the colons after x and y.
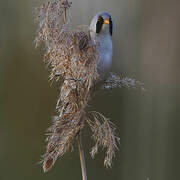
x: 103, y: 131
x: 71, y: 54
x: 72, y: 58
x: 117, y: 81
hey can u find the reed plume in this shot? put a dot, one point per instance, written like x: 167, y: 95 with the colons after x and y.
x: 72, y: 60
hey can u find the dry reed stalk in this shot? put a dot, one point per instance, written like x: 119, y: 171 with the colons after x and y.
x: 71, y: 54
x: 82, y: 158
x: 72, y: 58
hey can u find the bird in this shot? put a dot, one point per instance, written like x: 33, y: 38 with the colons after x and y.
x: 101, y: 30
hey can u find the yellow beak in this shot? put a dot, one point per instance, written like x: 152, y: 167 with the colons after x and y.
x: 106, y: 21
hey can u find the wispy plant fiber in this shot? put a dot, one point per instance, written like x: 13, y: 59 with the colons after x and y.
x: 116, y: 81
x: 72, y: 59
x: 103, y: 133
x: 72, y: 56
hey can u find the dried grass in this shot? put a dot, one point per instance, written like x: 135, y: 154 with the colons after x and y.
x: 103, y: 133
x: 70, y: 54
x: 72, y: 58
x: 117, y: 81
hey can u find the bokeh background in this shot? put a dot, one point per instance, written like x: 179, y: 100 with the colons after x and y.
x: 146, y: 47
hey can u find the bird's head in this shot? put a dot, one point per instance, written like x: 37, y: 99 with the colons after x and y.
x: 101, y: 24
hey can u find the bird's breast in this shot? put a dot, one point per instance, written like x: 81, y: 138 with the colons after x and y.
x: 105, y: 51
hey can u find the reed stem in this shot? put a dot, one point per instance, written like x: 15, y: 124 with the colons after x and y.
x: 82, y: 158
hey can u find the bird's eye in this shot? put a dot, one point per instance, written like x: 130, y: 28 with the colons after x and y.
x: 99, y: 24
x: 110, y: 26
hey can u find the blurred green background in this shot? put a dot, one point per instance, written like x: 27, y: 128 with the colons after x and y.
x: 146, y: 47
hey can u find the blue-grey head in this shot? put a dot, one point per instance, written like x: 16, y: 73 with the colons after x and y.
x: 101, y: 24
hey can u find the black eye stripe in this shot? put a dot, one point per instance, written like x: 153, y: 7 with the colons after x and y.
x: 99, y: 24
x: 110, y: 26
x: 100, y: 18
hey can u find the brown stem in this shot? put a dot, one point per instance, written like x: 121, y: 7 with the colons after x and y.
x: 65, y: 2
x: 82, y: 159
x: 64, y: 15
